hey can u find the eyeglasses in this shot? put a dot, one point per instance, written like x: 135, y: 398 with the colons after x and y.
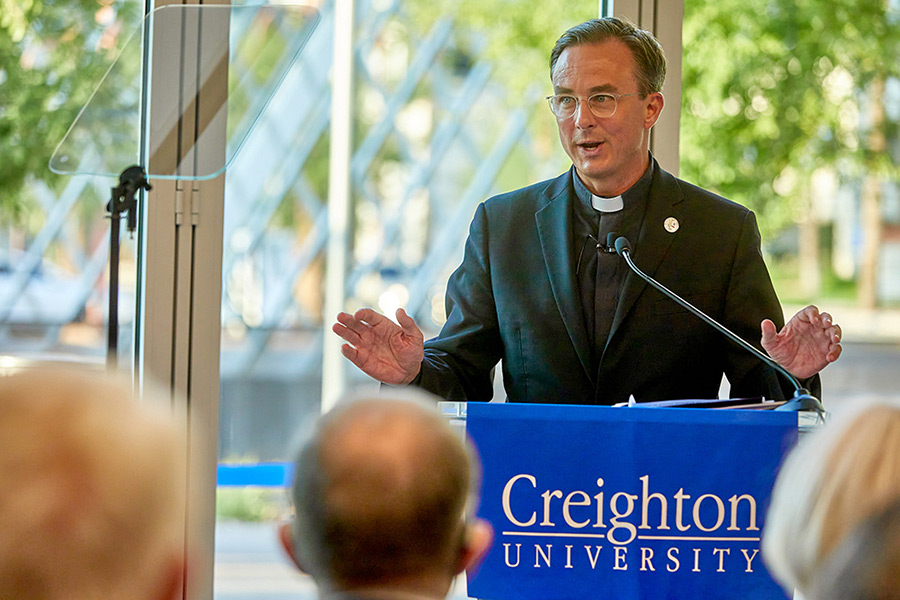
x: 602, y: 105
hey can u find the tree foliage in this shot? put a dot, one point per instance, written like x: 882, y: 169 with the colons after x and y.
x: 517, y: 36
x: 774, y: 90
x: 52, y: 54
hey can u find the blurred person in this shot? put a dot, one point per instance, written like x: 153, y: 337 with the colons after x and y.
x: 92, y: 492
x: 540, y: 291
x: 384, y: 495
x: 866, y: 566
x: 831, y: 482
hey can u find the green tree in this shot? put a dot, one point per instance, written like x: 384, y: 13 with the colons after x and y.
x: 774, y: 91
x: 52, y: 54
x: 517, y: 36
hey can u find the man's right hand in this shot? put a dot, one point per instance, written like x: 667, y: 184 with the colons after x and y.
x: 382, y: 349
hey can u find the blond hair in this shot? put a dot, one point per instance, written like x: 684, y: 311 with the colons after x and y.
x: 91, y: 501
x: 832, y: 481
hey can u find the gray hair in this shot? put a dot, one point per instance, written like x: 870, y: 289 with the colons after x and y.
x: 649, y: 60
x: 381, y: 489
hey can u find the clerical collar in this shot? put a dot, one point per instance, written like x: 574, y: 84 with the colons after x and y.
x: 633, y: 195
x: 374, y: 594
x: 607, y: 205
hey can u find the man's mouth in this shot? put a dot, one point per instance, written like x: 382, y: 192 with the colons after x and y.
x: 589, y: 145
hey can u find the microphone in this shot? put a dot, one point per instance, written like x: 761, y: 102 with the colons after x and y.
x: 802, y: 399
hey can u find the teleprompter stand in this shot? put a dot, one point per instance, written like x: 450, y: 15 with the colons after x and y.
x: 122, y: 201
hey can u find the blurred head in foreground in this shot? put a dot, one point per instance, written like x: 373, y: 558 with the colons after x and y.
x: 384, y: 494
x: 834, y: 480
x: 866, y: 566
x: 91, y: 500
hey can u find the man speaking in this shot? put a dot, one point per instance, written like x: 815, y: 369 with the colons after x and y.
x: 539, y: 289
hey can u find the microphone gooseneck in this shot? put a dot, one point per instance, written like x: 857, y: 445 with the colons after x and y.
x: 802, y: 399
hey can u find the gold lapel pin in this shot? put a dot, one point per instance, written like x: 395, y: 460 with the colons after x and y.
x: 671, y: 225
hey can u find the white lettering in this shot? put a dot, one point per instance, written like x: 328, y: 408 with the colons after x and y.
x: 599, y: 499
x: 507, y: 510
x: 616, y: 524
x: 621, y: 554
x: 593, y: 557
x: 568, y: 556
x: 720, y: 517
x: 734, y: 500
x: 574, y: 508
x: 646, y: 558
x: 547, y: 496
x: 680, y: 497
x: 585, y: 501
x: 518, y: 554
x: 539, y: 553
x: 722, y: 552
x: 749, y: 559
x: 673, y: 556
x: 645, y: 505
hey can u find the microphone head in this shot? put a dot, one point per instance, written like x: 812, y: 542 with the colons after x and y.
x: 611, y: 240
x: 622, y: 245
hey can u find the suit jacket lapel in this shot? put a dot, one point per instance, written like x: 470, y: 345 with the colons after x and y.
x: 554, y: 226
x: 652, y: 244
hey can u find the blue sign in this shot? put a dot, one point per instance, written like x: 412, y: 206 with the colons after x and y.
x: 626, y: 503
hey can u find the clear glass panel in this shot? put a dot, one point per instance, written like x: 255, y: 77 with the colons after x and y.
x: 796, y: 117
x: 54, y: 236
x: 263, y: 44
x: 448, y: 111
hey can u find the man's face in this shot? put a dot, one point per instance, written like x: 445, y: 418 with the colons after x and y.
x: 609, y: 153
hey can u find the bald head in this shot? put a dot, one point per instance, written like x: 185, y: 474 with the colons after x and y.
x: 90, y: 500
x: 381, y: 490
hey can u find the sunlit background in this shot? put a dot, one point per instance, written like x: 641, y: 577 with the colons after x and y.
x: 791, y: 108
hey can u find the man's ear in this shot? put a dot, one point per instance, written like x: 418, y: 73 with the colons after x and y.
x: 171, y: 586
x: 654, y: 108
x: 478, y: 539
x: 287, y: 542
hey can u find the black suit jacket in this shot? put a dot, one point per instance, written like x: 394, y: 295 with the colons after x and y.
x: 515, y: 297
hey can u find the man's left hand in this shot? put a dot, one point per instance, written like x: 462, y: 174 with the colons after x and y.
x: 806, y: 344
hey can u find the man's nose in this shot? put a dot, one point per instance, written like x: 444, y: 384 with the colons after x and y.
x: 583, y: 116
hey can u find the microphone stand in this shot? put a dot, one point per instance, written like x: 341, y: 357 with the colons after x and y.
x: 122, y: 200
x: 802, y: 400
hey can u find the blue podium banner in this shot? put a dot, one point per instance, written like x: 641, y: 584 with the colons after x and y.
x: 626, y: 503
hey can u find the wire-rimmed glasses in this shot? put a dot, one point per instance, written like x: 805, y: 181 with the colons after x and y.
x: 602, y: 105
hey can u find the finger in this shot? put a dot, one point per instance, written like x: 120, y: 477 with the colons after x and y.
x: 354, y: 356
x: 351, y: 323
x: 811, y: 313
x: 345, y: 333
x: 826, y: 319
x: 769, y: 331
x: 407, y: 323
x: 403, y: 318
x: 346, y: 319
x: 836, y: 333
x: 367, y: 315
x: 350, y: 353
x: 835, y: 353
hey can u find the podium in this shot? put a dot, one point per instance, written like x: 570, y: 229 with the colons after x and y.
x: 626, y: 503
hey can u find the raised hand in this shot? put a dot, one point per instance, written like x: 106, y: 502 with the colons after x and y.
x: 382, y: 349
x: 806, y: 344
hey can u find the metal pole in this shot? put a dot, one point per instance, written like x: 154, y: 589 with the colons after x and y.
x: 112, y: 326
x: 333, y: 362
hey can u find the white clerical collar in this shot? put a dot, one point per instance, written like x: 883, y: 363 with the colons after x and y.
x: 374, y: 594
x: 607, y: 205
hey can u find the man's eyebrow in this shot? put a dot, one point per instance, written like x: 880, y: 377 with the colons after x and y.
x: 597, y: 89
